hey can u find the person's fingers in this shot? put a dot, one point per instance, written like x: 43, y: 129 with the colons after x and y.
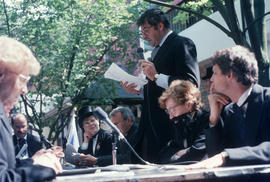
x: 60, y: 154
x: 142, y: 61
x: 212, y: 88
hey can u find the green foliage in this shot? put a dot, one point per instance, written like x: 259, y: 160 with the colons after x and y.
x: 75, y: 41
x: 205, y: 7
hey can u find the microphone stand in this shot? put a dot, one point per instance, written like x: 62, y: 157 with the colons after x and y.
x: 114, y: 148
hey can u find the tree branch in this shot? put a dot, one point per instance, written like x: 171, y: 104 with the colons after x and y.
x: 195, y: 13
x: 257, y: 19
x: 7, y: 19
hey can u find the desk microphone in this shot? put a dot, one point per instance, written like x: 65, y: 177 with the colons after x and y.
x: 46, y: 142
x: 140, y: 53
x: 102, y: 115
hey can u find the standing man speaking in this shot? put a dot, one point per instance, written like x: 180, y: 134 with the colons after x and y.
x: 173, y: 57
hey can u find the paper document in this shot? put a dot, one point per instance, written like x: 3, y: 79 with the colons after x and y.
x: 116, y: 73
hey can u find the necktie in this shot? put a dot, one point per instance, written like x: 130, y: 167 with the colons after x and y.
x: 154, y: 52
x: 20, y: 143
x: 240, y: 116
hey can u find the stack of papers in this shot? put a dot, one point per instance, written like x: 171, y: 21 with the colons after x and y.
x: 114, y: 72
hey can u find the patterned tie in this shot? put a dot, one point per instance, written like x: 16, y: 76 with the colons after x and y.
x: 154, y: 52
x: 20, y: 143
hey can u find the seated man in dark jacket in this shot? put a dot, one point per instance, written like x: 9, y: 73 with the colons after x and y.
x: 21, y: 137
x: 182, y: 101
x: 124, y: 119
x: 239, y: 132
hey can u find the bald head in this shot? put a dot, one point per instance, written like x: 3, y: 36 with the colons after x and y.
x: 20, y: 125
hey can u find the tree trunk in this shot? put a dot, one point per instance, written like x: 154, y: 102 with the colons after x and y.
x: 254, y: 17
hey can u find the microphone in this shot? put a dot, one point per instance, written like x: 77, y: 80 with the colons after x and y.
x: 46, y: 142
x: 140, y: 53
x: 102, y: 115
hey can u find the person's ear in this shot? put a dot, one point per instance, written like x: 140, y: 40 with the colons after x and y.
x: 129, y: 120
x: 160, y: 26
x: 230, y: 75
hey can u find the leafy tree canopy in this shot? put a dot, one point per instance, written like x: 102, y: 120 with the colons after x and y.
x: 74, y: 41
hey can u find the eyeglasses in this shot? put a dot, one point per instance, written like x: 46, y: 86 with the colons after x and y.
x: 171, y: 110
x: 145, y: 30
x: 23, y: 78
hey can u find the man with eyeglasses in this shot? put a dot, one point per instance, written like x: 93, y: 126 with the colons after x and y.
x: 173, y: 57
x: 124, y: 119
x: 17, y: 63
x: 182, y: 102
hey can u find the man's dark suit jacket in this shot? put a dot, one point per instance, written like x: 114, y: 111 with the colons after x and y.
x: 33, y: 143
x: 177, y: 57
x: 191, y: 130
x: 24, y: 170
x: 254, y: 148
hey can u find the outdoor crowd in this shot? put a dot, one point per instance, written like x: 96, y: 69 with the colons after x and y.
x: 174, y: 127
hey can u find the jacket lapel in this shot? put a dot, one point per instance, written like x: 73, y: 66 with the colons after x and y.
x: 164, y: 48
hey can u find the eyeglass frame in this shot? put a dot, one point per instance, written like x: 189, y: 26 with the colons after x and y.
x: 145, y: 30
x: 172, y: 110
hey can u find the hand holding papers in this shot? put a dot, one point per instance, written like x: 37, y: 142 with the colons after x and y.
x: 116, y: 73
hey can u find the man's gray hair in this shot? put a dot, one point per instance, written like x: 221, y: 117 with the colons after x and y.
x: 125, y: 111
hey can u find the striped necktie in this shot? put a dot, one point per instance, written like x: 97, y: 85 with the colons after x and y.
x: 154, y: 52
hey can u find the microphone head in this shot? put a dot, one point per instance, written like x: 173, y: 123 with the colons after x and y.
x: 139, y: 50
x: 140, y: 53
x: 100, y: 113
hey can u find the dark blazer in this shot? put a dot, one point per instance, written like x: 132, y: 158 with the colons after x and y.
x: 254, y: 147
x: 177, y: 57
x: 33, y: 143
x: 191, y: 130
x: 103, y: 149
x: 132, y: 134
x: 23, y: 170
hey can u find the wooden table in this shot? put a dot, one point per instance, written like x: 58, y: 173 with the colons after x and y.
x: 160, y: 173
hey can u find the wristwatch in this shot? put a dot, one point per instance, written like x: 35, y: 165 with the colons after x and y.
x: 155, y: 77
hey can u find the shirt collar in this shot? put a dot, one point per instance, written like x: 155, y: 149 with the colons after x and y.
x: 25, y: 137
x: 244, y: 96
x: 164, y: 38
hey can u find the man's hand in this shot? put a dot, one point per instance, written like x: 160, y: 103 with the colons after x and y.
x: 179, y: 154
x: 130, y: 88
x: 215, y: 161
x: 49, y: 158
x: 148, y: 68
x: 182, y: 152
x: 86, y: 160
x: 216, y: 103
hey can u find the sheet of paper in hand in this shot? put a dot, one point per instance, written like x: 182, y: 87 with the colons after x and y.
x: 114, y: 72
